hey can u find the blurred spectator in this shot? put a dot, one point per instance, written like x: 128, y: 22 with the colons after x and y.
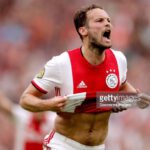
x: 30, y: 128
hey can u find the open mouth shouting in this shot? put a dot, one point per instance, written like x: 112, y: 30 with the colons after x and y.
x: 107, y: 35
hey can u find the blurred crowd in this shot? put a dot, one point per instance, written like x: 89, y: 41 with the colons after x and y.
x: 32, y: 31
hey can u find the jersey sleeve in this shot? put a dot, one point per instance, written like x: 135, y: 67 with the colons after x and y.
x: 122, y: 66
x: 123, y: 71
x: 49, y: 77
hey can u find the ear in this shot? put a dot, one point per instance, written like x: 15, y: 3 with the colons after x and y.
x: 83, y: 31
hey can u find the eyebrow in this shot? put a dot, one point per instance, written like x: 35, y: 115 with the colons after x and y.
x: 102, y: 18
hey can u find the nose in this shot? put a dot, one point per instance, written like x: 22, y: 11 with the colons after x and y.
x: 107, y: 23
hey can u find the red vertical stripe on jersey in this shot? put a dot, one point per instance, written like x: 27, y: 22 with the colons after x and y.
x: 90, y: 78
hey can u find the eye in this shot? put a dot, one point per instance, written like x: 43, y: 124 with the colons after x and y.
x: 100, y: 20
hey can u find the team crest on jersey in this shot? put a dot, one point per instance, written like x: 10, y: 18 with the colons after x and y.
x: 112, y: 80
x: 41, y: 73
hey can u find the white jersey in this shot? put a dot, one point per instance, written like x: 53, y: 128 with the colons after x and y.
x: 58, y: 76
x: 70, y: 73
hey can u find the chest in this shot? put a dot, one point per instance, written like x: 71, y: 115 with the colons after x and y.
x: 88, y: 78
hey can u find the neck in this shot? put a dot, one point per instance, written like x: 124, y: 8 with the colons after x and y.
x: 93, y: 55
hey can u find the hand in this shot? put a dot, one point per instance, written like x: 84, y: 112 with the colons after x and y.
x: 57, y: 103
x: 118, y: 109
x: 144, y: 100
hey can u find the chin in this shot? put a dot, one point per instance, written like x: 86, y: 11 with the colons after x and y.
x: 108, y: 46
x: 105, y: 46
x: 100, y: 45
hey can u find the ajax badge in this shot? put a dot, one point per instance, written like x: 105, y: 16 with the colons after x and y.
x: 111, y: 80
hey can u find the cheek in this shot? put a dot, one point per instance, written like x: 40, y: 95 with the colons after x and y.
x: 96, y: 34
x: 96, y: 30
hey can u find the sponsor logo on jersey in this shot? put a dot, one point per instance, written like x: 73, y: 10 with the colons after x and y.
x: 112, y: 80
x: 41, y: 73
x: 82, y: 85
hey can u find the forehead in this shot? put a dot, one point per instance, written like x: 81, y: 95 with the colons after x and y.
x: 97, y: 13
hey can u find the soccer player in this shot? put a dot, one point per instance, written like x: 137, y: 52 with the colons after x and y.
x: 92, y: 67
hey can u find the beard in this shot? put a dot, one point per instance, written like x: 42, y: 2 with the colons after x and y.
x: 94, y: 44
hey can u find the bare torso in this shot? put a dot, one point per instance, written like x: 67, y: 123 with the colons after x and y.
x: 85, y: 128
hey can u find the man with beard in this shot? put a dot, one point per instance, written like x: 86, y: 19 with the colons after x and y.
x: 93, y: 67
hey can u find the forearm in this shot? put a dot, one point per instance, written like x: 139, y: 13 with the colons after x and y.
x: 34, y: 104
x: 32, y: 100
x: 127, y: 87
x: 144, y: 99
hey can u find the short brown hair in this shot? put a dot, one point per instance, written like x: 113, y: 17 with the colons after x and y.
x: 80, y: 17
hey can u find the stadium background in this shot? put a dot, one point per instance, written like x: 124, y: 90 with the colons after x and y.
x: 32, y: 31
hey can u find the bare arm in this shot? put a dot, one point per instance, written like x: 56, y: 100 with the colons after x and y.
x: 32, y: 100
x: 127, y: 87
x: 144, y: 98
